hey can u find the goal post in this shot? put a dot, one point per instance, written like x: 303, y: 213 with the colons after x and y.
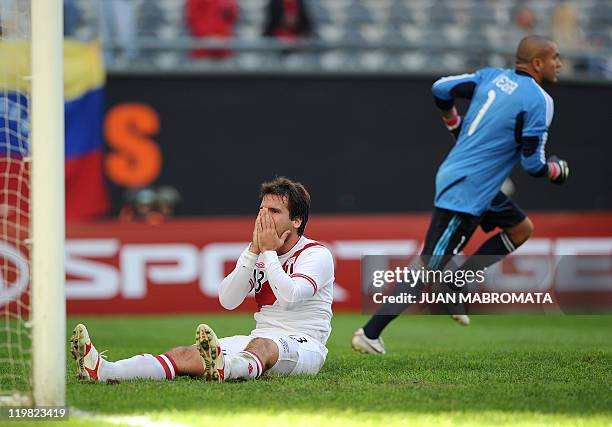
x: 47, y: 205
x: 32, y: 297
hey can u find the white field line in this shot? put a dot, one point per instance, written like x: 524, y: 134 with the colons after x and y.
x: 130, y: 420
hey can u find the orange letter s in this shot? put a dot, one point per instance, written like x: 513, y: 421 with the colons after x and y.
x: 136, y: 160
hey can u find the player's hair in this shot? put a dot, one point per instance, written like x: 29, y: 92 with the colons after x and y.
x: 298, y: 199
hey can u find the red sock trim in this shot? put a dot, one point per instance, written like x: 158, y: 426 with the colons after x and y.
x: 173, y: 363
x: 165, y: 366
x: 260, y: 365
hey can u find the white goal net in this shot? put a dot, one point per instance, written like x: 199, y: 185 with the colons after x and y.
x: 15, y: 336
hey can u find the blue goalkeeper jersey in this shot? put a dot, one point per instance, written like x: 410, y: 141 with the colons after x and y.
x: 507, y: 121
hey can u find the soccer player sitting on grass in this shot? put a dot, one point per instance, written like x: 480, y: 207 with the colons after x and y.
x: 507, y: 122
x: 292, y: 277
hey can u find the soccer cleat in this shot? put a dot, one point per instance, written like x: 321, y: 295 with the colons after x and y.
x: 364, y: 344
x: 85, y: 355
x: 462, y: 319
x: 211, y: 354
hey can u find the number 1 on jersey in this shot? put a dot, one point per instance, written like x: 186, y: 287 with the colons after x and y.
x: 490, y: 98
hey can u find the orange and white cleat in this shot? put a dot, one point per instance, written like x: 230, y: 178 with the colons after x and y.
x: 211, y: 354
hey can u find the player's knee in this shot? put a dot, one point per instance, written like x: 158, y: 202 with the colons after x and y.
x: 262, y: 345
x: 266, y: 349
x: 521, y: 232
x: 181, y: 353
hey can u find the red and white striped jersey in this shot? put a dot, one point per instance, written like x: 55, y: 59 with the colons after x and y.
x: 294, y: 291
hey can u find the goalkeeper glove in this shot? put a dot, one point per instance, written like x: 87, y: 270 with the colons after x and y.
x: 453, y: 125
x: 558, y: 170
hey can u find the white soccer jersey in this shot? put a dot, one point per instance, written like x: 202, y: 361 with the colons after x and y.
x: 293, y: 291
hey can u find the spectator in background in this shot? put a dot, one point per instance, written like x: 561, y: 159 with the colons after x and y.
x: 14, y: 19
x: 524, y: 22
x: 118, y: 27
x: 566, y: 31
x: 72, y: 18
x: 211, y: 19
x: 288, y: 20
x: 150, y: 206
x: 168, y: 199
x: 140, y: 207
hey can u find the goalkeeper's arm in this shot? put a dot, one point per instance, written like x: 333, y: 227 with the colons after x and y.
x: 452, y: 120
x: 532, y: 160
x: 446, y: 89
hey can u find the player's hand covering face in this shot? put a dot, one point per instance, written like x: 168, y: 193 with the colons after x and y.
x: 273, y: 224
x: 254, y: 248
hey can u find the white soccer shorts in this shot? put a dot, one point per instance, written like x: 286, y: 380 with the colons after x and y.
x: 297, y: 354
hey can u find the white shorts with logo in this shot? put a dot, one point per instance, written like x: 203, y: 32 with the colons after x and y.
x: 297, y: 354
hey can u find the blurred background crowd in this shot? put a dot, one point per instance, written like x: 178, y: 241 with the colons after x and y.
x: 418, y: 36
x: 161, y: 93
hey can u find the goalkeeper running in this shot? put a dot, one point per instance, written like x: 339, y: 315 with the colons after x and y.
x: 507, y: 122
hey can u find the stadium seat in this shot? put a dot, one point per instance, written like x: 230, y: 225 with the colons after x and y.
x: 411, y: 33
x: 442, y: 28
x: 400, y: 13
x: 440, y: 13
x: 600, y: 16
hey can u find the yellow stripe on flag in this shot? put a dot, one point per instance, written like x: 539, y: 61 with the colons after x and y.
x: 83, y: 67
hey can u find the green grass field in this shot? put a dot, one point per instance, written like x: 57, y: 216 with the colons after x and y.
x: 520, y: 370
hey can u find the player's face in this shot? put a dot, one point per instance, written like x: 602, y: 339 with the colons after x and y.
x: 551, y: 64
x: 278, y: 207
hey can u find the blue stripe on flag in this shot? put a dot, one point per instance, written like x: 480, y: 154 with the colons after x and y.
x: 84, y: 123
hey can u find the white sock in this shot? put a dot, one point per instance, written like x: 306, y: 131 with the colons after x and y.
x: 142, y: 366
x: 243, y: 365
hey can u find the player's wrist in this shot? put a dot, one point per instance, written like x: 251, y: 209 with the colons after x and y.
x: 558, y: 170
x: 269, y: 256
x: 553, y: 171
x: 254, y: 249
x: 452, y: 122
x: 248, y: 259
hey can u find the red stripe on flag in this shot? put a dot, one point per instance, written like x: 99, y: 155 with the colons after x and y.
x: 165, y: 366
x: 86, y: 197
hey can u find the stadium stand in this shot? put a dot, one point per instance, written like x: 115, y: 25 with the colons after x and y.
x: 353, y: 35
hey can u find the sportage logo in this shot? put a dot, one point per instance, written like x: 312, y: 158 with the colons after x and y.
x: 138, y: 266
x: 106, y: 268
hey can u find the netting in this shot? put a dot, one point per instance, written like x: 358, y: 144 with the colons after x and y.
x: 15, y: 355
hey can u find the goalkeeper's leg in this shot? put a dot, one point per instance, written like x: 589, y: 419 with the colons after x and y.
x: 516, y: 229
